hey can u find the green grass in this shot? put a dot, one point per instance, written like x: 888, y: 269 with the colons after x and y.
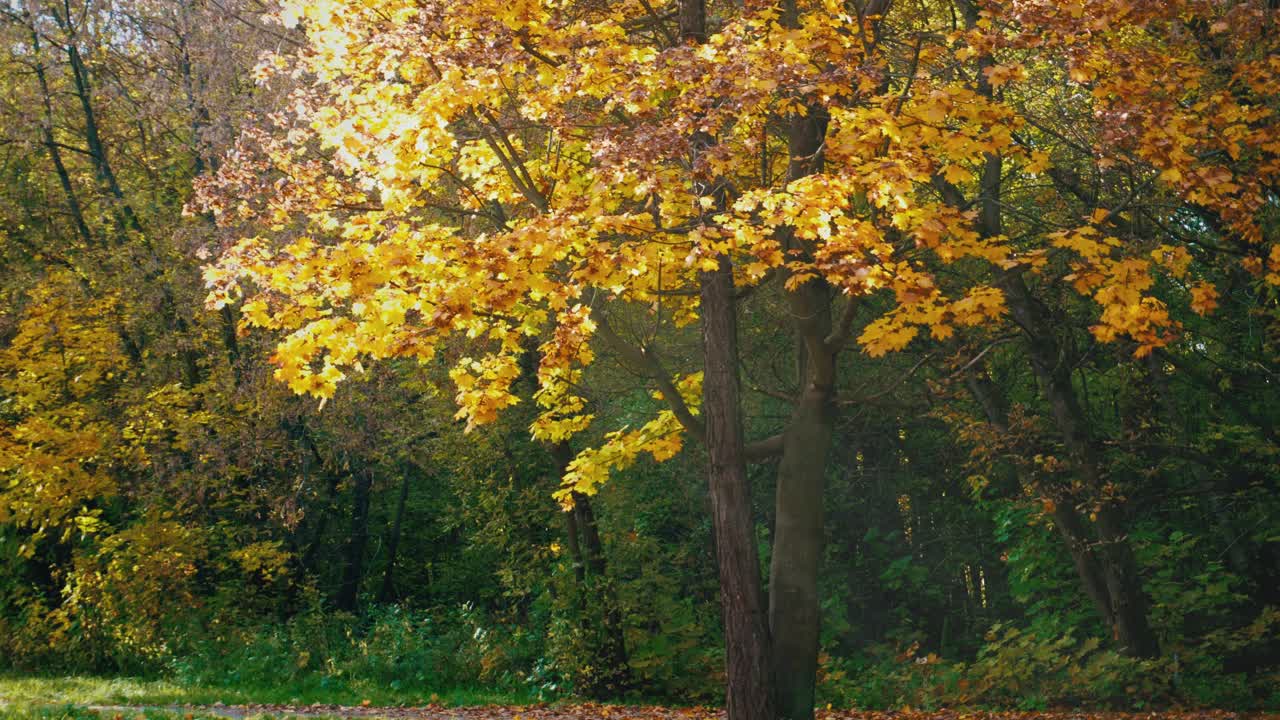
x: 69, y: 712
x: 23, y: 691
x: 18, y: 690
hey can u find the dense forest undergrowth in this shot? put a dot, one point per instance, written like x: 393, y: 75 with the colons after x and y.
x: 863, y: 353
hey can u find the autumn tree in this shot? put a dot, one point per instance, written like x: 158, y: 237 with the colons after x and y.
x: 591, y: 168
x: 600, y: 179
x: 1154, y: 147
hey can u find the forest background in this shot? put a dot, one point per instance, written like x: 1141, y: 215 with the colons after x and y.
x: 1035, y: 243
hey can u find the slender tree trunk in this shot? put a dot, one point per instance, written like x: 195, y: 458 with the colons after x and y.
x: 1073, y: 529
x: 1114, y: 567
x: 199, y: 121
x: 586, y: 550
x: 388, y: 591
x: 1103, y: 558
x: 592, y: 547
x: 51, y: 145
x: 358, y: 537
x: 125, y: 216
x: 562, y: 454
x: 1127, y: 613
x: 749, y: 691
x: 614, y: 652
x: 131, y: 344
x: 1080, y: 545
x: 93, y: 139
x: 1132, y: 631
x: 575, y: 550
x: 794, y: 616
x: 198, y: 111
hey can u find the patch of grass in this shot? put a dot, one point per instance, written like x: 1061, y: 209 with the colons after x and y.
x: 71, y: 712
x: 19, y: 691
x: 327, y: 689
x: 47, y: 713
x: 80, y: 690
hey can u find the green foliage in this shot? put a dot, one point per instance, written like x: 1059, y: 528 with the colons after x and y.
x: 672, y: 653
x: 1024, y: 669
x: 390, y: 654
x: 1038, y: 569
x: 1033, y: 671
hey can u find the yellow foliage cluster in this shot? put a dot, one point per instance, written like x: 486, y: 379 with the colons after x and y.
x: 54, y: 458
x: 497, y: 172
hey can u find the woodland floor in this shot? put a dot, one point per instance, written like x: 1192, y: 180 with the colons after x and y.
x: 87, y: 698
x: 555, y: 712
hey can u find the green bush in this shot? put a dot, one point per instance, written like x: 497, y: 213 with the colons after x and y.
x: 391, y: 653
x: 1029, y: 670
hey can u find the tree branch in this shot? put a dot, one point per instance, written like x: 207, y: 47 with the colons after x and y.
x: 646, y: 362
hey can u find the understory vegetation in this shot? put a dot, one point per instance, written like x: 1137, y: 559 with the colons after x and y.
x: 491, y: 615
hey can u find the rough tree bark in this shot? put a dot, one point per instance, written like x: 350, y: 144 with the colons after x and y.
x: 749, y: 692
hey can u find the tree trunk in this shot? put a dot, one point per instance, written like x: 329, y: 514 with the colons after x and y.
x: 388, y: 591
x: 1080, y: 544
x: 1104, y: 563
x: 592, y: 547
x: 51, y: 146
x: 562, y: 454
x: 1124, y: 608
x: 1127, y: 606
x: 353, y: 556
x: 794, y: 616
x: 614, y: 652
x: 1075, y: 533
x: 586, y: 551
x: 1131, y: 631
x: 125, y: 216
x: 749, y: 691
